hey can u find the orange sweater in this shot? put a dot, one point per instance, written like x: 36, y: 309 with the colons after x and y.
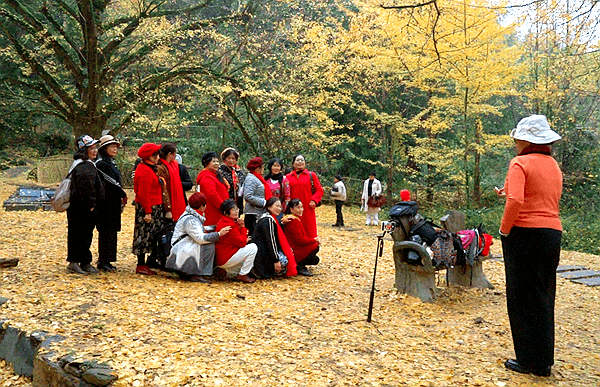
x: 533, y: 187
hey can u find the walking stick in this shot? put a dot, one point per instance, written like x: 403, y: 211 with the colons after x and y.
x: 378, y: 253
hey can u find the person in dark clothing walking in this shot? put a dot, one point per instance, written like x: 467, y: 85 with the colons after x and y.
x: 109, y: 210
x: 87, y: 191
x: 338, y: 193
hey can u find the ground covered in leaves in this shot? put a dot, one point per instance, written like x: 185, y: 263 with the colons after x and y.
x: 160, y: 331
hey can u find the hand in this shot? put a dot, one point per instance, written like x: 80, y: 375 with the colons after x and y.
x: 500, y: 191
x: 278, y: 266
x: 148, y: 218
x: 224, y: 230
x: 285, y: 220
x: 318, y: 240
x: 312, y: 204
x: 169, y: 215
x: 240, y: 222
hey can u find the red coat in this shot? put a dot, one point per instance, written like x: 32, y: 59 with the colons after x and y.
x: 176, y: 193
x: 216, y: 193
x: 231, y: 242
x: 300, y: 188
x: 301, y: 244
x: 148, y: 191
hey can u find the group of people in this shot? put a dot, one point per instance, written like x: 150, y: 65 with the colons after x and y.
x: 277, y: 236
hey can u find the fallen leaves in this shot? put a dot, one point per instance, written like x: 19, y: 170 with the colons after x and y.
x: 160, y: 331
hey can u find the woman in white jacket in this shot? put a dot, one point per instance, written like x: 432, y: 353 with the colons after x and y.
x: 193, y: 251
x: 371, y: 188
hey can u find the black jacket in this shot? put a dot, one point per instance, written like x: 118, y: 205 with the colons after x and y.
x: 109, y: 210
x: 186, y: 180
x: 266, y: 239
x: 87, y: 191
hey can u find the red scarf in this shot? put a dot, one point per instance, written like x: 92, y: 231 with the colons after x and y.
x: 287, y: 250
x: 268, y: 192
x: 175, y: 189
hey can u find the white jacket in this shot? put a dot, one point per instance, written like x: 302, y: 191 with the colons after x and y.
x: 340, y: 193
x: 375, y: 190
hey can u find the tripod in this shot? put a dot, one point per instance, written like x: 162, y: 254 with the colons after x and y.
x: 378, y: 253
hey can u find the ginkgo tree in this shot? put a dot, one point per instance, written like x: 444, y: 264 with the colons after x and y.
x: 97, y: 65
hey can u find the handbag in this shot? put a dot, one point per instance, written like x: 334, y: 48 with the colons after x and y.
x: 312, y: 187
x: 377, y: 201
x: 62, y: 196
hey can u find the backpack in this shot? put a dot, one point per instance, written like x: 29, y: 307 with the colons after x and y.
x: 62, y: 196
x: 425, y: 229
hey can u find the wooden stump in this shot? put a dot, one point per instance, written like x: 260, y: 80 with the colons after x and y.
x: 8, y: 262
x: 414, y: 280
x: 471, y: 276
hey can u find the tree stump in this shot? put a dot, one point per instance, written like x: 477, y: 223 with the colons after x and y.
x: 8, y: 262
x: 471, y: 276
x: 414, y: 280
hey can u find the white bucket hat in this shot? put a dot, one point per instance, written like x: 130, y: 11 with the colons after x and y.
x: 535, y: 129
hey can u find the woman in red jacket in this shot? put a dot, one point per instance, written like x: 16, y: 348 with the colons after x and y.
x: 213, y: 186
x: 305, y: 185
x: 149, y: 214
x: 167, y: 154
x: 305, y: 248
x: 234, y: 253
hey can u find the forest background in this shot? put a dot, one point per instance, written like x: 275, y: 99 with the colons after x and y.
x: 423, y: 93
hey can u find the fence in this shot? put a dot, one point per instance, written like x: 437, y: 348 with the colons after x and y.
x: 52, y: 169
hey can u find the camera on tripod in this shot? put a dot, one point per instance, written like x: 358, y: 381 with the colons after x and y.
x: 388, y: 226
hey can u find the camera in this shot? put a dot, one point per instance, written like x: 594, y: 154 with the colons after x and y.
x: 388, y: 226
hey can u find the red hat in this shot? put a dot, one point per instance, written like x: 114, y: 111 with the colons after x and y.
x: 147, y: 150
x: 254, y: 163
x: 405, y: 195
x: 197, y: 200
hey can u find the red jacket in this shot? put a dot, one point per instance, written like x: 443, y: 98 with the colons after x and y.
x: 231, y: 242
x: 300, y: 243
x: 216, y: 193
x: 148, y: 191
x: 301, y: 188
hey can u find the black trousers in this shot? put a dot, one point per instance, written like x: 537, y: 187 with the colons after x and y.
x: 531, y: 256
x: 79, y: 235
x: 338, y: 212
x: 107, y: 246
x: 250, y: 222
x: 311, y: 259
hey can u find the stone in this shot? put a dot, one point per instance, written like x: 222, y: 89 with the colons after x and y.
x: 3, y: 300
x: 99, y: 376
x: 579, y: 274
x: 563, y: 268
x: 16, y: 349
x: 49, y: 373
x: 591, y: 281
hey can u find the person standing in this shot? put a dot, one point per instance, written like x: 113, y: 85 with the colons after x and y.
x: 278, y: 182
x: 338, y: 193
x: 87, y: 192
x: 531, y: 232
x: 231, y: 171
x: 110, y: 209
x: 149, y: 213
x: 213, y: 186
x: 305, y: 185
x: 256, y: 193
x: 371, y: 189
x: 186, y: 181
x: 167, y: 153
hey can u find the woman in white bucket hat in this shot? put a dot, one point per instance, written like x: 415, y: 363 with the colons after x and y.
x: 531, y: 231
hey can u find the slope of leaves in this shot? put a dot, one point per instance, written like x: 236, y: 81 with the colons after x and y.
x: 160, y: 331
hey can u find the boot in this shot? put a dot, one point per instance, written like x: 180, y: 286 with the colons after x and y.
x: 74, y: 267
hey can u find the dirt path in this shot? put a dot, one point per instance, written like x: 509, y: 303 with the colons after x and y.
x: 159, y: 331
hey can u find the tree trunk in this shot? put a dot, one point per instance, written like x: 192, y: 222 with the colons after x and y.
x: 470, y: 276
x: 477, y: 172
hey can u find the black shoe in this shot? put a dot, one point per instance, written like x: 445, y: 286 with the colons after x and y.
x: 514, y: 365
x: 199, y: 278
x: 106, y: 267
x: 335, y: 225
x: 302, y: 270
x: 74, y: 267
x: 90, y: 269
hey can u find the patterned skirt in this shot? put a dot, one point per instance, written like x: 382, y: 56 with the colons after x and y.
x: 143, y: 232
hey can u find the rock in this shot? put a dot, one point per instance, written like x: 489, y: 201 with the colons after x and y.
x: 3, y: 300
x: 99, y: 376
x: 16, y: 349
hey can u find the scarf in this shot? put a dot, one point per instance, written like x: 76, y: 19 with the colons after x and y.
x: 287, y: 250
x: 175, y: 189
x: 268, y: 192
